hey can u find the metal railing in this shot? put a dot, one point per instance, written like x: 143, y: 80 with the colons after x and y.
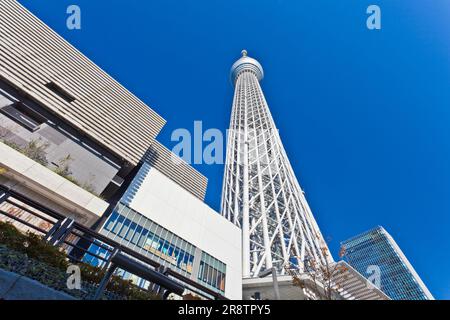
x: 76, y: 240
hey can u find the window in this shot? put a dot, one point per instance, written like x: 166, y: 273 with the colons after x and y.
x: 212, y: 272
x: 125, y: 229
x: 111, y: 221
x: 136, y: 235
x: 4, y: 101
x: 99, y: 249
x: 118, y: 226
x: 117, y: 180
x: 143, y: 238
x: 131, y: 232
x: 60, y: 92
x: 151, y: 237
x: 23, y: 115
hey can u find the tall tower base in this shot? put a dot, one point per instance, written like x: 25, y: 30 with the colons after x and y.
x: 346, y: 284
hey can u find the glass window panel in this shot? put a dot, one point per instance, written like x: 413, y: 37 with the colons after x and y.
x: 171, y: 254
x: 165, y: 248
x: 131, y: 231
x: 156, y: 229
x: 214, y: 278
x: 176, y: 254
x: 132, y: 215
x: 137, y: 235
x: 201, y: 270
x: 111, y: 221
x: 176, y: 241
x: 183, y: 245
x: 119, y: 225
x: 181, y: 264
x: 150, y: 242
x: 210, y: 275
x: 222, y: 283
x: 163, y: 234
x: 184, y: 264
x: 142, y: 238
x: 4, y: 101
x: 125, y: 228
x: 125, y: 211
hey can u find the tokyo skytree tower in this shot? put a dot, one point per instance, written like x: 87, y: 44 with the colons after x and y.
x: 261, y: 194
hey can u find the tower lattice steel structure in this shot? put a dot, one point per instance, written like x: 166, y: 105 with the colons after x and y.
x: 261, y: 194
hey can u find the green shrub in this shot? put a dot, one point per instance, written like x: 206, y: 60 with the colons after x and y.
x: 64, y: 167
x: 13, y: 145
x: 37, y: 151
x: 34, y: 247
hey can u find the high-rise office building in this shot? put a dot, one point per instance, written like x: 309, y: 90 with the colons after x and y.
x: 261, y: 194
x: 377, y: 249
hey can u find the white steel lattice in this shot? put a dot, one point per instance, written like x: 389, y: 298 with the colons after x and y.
x: 261, y: 194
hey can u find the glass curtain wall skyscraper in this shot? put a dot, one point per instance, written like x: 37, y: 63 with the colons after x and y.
x: 261, y: 194
x: 376, y: 248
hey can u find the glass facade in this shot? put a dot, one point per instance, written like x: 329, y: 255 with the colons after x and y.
x: 131, y: 229
x: 212, y: 272
x: 377, y: 248
x: 128, y: 227
x: 98, y: 249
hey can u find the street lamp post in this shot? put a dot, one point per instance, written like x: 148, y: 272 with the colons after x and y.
x: 276, y: 288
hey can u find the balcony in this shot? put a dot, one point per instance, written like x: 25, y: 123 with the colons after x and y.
x: 26, y: 176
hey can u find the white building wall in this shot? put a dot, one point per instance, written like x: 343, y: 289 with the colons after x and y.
x: 166, y: 203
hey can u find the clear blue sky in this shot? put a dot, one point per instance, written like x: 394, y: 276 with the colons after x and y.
x: 364, y: 115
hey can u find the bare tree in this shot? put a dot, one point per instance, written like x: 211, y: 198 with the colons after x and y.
x: 325, y: 279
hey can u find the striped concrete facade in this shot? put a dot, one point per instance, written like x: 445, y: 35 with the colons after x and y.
x: 177, y: 170
x: 32, y: 56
